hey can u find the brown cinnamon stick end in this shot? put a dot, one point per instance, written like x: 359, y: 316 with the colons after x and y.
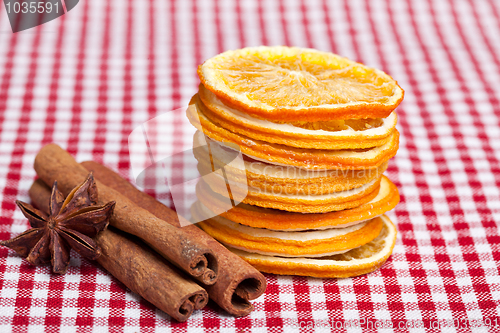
x: 150, y: 275
x: 244, y: 286
x: 205, y: 268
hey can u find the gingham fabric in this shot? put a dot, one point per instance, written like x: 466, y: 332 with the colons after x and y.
x: 87, y: 79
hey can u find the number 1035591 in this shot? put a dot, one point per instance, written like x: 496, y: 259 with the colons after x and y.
x: 31, y: 7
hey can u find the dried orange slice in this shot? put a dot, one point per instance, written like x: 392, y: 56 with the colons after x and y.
x: 337, y: 134
x: 274, y: 178
x: 296, y: 84
x: 314, y: 159
x: 300, y: 203
x: 387, y: 198
x: 361, y: 260
x: 323, y: 186
x: 287, y: 243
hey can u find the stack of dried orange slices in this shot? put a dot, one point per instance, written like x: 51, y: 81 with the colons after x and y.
x: 316, y: 132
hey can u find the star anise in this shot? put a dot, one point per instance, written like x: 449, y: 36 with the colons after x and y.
x: 71, y: 224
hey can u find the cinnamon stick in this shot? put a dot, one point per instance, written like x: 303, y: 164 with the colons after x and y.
x: 139, y: 268
x: 238, y: 282
x: 180, y: 247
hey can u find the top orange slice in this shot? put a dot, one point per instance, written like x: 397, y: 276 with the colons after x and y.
x: 284, y: 84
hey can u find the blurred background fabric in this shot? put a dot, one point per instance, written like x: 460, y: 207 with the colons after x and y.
x: 88, y: 78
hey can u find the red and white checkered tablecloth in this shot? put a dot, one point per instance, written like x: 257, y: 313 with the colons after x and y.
x: 87, y: 79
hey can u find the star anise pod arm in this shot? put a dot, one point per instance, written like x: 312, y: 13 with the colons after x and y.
x: 59, y: 252
x: 71, y: 224
x: 56, y: 200
x: 36, y: 218
x: 27, y: 242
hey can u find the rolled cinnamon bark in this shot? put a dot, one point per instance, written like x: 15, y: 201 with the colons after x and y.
x: 180, y: 247
x: 139, y: 268
x: 238, y: 282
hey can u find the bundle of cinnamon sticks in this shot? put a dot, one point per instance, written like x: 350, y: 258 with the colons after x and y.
x: 176, y: 269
